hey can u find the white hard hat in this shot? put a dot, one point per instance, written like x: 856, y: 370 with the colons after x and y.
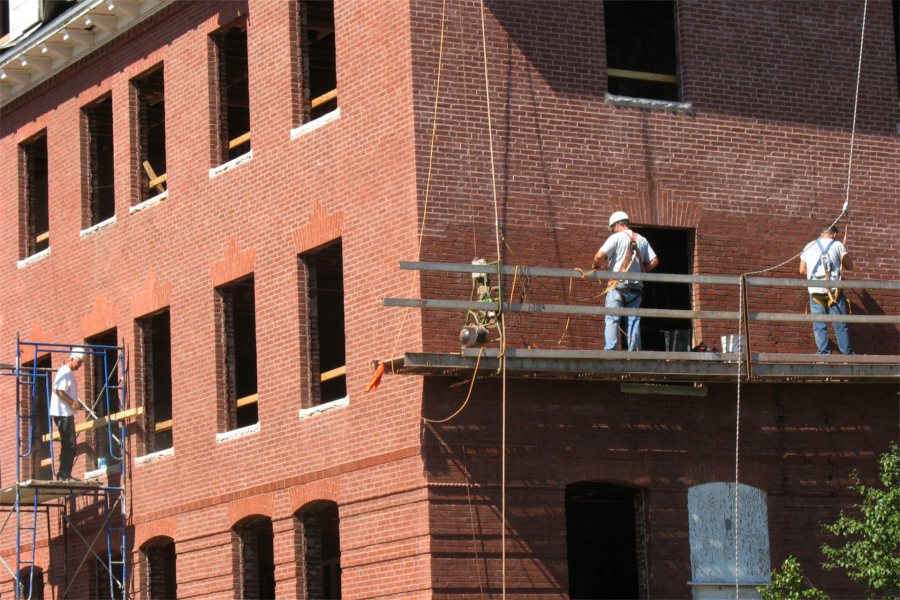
x: 616, y: 217
x: 77, y: 353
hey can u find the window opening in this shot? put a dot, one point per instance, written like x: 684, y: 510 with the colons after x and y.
x: 100, y: 161
x: 604, y: 541
x: 257, y: 558
x: 238, y: 342
x: 156, y: 373
x: 151, y: 121
x: 319, y: 549
x: 41, y: 462
x: 31, y: 583
x: 234, y: 91
x: 161, y: 582
x: 675, y: 249
x: 103, y: 375
x: 108, y: 582
x: 325, y: 322
x: 641, y: 49
x: 896, y: 5
x: 4, y: 18
x: 37, y: 213
x: 319, y: 62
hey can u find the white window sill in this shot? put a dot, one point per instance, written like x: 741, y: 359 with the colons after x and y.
x: 316, y: 123
x: 227, y: 436
x: 37, y: 256
x: 98, y: 473
x: 154, y: 457
x: 231, y: 164
x: 98, y: 227
x: 305, y: 413
x: 649, y: 103
x: 148, y: 203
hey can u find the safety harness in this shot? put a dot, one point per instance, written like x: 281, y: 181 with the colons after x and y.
x: 626, y: 265
x: 831, y: 295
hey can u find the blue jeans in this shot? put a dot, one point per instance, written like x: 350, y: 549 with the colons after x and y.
x: 820, y: 329
x: 617, y: 298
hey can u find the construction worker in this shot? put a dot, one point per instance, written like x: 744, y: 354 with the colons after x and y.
x: 63, y: 403
x: 624, y: 251
x: 824, y: 259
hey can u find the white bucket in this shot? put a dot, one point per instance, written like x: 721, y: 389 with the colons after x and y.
x: 732, y: 343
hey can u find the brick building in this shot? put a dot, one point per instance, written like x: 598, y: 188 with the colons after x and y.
x: 225, y: 189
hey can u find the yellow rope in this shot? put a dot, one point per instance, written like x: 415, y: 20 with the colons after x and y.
x: 468, y: 396
x: 437, y: 95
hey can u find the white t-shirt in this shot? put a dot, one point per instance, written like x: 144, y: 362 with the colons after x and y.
x: 65, y: 381
x: 815, y: 263
x: 618, y: 249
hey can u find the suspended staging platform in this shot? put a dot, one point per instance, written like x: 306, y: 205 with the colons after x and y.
x: 645, y: 366
x: 702, y: 367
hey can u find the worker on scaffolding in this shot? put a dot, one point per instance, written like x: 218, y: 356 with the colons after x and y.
x: 824, y: 259
x: 624, y: 251
x: 63, y: 403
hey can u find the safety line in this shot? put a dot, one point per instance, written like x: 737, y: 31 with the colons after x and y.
x: 844, y: 211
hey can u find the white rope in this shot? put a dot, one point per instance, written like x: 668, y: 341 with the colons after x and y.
x: 737, y: 425
x: 502, y: 327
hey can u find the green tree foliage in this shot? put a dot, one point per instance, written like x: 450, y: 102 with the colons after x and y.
x: 870, y: 552
x: 789, y: 583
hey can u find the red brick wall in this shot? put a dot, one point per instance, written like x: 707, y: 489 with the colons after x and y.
x: 768, y: 138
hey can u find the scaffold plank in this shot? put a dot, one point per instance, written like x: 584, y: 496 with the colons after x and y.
x: 46, y: 490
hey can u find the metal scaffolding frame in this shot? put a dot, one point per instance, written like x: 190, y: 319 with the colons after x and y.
x: 103, y: 507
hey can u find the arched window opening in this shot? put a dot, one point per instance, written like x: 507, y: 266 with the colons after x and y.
x: 256, y: 558
x: 319, y: 551
x: 160, y: 579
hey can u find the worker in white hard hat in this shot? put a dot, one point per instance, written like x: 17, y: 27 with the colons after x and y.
x: 63, y: 403
x: 624, y: 251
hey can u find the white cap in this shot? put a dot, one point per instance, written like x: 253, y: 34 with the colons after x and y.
x: 616, y: 217
x: 77, y: 353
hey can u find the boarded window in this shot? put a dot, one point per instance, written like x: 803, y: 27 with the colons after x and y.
x: 234, y: 91
x: 319, y: 64
x: 605, y: 541
x: 155, y: 372
x: 37, y: 214
x: 641, y: 49
x: 161, y: 581
x: 256, y: 558
x: 318, y: 543
x: 102, y: 390
x: 149, y: 90
x: 100, y: 162
x: 322, y: 274
x: 237, y: 324
x: 712, y: 538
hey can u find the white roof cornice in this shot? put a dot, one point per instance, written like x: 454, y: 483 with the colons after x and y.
x: 75, y: 34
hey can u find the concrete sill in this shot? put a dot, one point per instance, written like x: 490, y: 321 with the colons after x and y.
x: 98, y: 473
x: 231, y: 164
x: 305, y: 413
x: 650, y: 104
x: 154, y: 457
x: 37, y: 256
x: 316, y: 123
x: 98, y: 227
x: 227, y: 436
x: 148, y: 203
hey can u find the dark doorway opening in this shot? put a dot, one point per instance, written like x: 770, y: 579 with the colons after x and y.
x: 675, y: 249
x: 602, y: 541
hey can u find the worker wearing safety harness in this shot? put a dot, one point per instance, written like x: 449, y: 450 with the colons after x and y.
x: 626, y: 251
x: 824, y: 259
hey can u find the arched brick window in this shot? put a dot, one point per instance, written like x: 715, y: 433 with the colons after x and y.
x: 318, y: 543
